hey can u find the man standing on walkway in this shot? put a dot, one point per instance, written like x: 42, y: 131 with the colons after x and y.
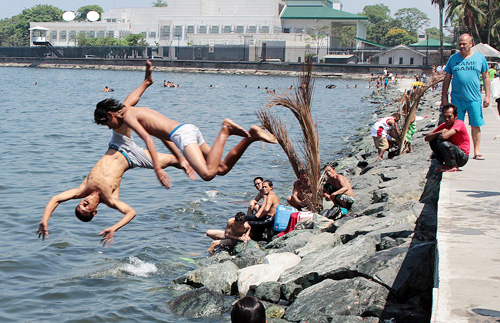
x: 450, y: 141
x: 463, y: 69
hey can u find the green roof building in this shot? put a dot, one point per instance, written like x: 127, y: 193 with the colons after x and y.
x: 321, y: 17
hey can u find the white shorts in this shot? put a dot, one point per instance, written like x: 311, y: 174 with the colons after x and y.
x: 186, y: 134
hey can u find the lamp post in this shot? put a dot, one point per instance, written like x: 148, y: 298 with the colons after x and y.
x: 244, y: 42
x: 178, y: 46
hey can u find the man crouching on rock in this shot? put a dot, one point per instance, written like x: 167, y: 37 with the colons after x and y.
x: 338, y: 189
x: 237, y: 229
x: 450, y: 141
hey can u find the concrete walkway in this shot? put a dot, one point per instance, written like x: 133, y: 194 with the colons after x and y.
x: 467, y: 285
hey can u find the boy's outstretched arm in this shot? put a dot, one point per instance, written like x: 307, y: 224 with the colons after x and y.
x: 182, y: 161
x: 129, y: 214
x: 133, y: 98
x: 135, y: 125
x: 43, y: 228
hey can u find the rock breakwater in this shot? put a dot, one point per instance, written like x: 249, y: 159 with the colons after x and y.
x: 372, y: 265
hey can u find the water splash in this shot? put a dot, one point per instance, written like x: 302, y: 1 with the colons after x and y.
x: 137, y: 267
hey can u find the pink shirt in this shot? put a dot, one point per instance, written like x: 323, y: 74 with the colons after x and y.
x: 461, y: 138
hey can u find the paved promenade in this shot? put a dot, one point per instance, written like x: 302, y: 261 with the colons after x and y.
x: 468, y: 276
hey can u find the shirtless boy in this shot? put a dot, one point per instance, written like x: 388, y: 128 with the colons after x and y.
x: 187, y: 138
x: 301, y: 188
x: 103, y: 182
x: 271, y: 202
x: 338, y: 189
x: 237, y: 229
x: 254, y: 205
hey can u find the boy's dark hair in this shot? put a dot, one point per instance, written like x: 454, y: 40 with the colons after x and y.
x: 258, y: 177
x: 448, y: 106
x: 239, y: 217
x: 248, y: 310
x: 103, y: 107
x: 83, y: 217
x: 268, y: 182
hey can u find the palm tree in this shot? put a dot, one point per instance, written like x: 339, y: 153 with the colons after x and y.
x: 468, y: 12
x: 440, y: 4
x: 495, y: 28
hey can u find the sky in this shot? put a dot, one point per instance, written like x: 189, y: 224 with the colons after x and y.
x: 9, y: 9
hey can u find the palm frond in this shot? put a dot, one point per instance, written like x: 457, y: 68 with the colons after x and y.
x: 299, y: 104
x: 410, y: 116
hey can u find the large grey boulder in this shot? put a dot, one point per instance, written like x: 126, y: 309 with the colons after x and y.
x: 330, y: 263
x: 370, y: 224
x: 365, y: 182
x: 211, y: 277
x: 363, y: 201
x: 270, y: 270
x: 405, y: 269
x: 291, y: 241
x: 199, y: 303
x: 399, y: 190
x: 266, y: 291
x: 248, y: 254
x: 319, y: 243
x: 329, y: 298
x: 374, y: 209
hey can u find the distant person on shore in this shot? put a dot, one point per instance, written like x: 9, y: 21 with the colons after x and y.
x: 381, y: 133
x: 102, y: 184
x: 253, y: 206
x: 248, y: 309
x: 237, y: 229
x: 338, y: 189
x: 495, y: 91
x: 271, y: 202
x: 206, y: 161
x: 409, y: 136
x: 301, y: 189
x: 492, y: 72
x: 463, y: 70
x: 386, y: 82
x: 450, y: 141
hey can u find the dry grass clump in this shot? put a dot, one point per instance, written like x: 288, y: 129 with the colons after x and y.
x: 299, y: 103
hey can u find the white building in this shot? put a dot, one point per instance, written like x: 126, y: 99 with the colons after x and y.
x: 400, y: 55
x: 211, y: 22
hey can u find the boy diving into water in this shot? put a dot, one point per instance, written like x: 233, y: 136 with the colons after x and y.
x: 103, y: 182
x: 187, y: 138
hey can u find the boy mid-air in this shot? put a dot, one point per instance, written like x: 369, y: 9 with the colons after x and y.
x: 102, y: 185
x: 206, y: 161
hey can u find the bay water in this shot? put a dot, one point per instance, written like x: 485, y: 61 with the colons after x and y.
x: 49, y: 144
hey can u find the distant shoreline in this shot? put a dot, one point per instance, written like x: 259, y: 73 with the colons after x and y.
x: 345, y: 71
x: 205, y: 70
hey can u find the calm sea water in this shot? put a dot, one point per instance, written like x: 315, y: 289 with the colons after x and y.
x: 49, y: 144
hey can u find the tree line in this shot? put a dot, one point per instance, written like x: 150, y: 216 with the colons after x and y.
x: 476, y: 17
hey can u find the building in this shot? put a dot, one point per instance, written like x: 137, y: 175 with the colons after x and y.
x: 295, y: 23
x: 400, y: 55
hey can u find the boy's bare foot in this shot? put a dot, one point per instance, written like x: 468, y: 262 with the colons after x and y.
x: 258, y: 133
x: 234, y: 128
x: 149, y: 71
